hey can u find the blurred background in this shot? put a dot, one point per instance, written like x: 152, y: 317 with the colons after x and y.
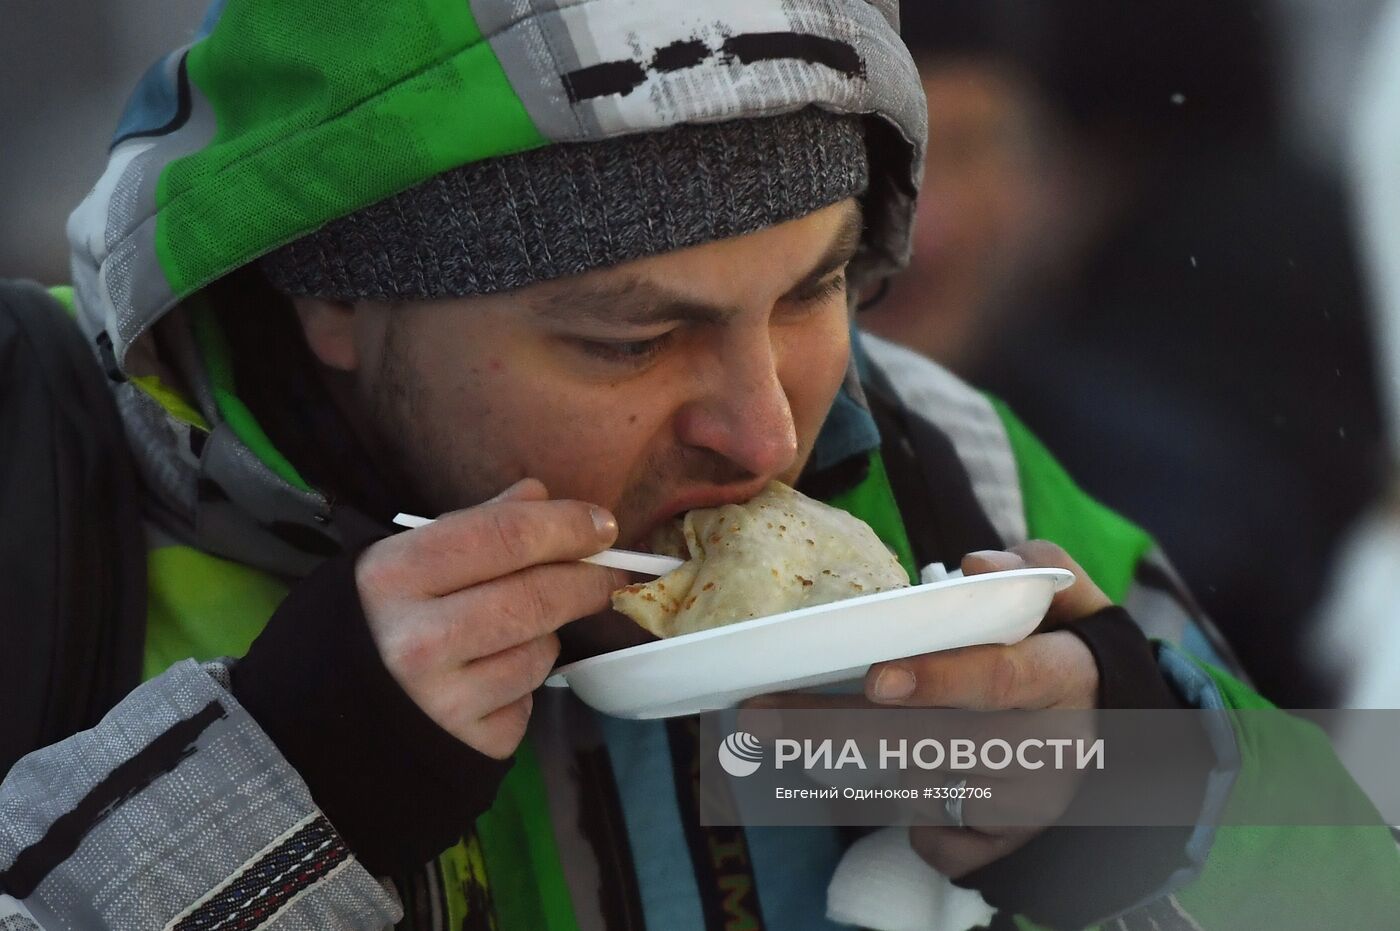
x: 1164, y: 230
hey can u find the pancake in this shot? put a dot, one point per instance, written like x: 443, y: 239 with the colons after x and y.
x: 777, y: 552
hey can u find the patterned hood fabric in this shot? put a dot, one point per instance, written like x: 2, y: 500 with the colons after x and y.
x: 270, y: 125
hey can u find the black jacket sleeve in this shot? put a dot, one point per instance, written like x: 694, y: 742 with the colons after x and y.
x: 399, y: 788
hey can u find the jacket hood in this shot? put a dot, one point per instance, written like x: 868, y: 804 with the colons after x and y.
x: 269, y: 125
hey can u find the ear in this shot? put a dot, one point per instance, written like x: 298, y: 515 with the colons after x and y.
x: 329, y: 327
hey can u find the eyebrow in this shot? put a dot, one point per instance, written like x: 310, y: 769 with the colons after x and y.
x: 637, y: 301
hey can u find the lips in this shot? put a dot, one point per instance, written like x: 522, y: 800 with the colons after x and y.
x: 707, y: 498
x: 702, y: 498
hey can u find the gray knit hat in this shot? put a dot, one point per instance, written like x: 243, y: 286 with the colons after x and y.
x: 565, y: 209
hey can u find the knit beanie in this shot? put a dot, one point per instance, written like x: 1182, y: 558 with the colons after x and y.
x: 569, y: 208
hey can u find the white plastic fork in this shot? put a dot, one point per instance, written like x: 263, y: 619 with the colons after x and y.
x: 627, y: 560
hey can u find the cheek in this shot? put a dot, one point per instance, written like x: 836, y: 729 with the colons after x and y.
x: 814, y: 361
x: 583, y: 441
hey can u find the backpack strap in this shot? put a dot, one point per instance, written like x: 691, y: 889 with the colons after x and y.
x: 72, y: 560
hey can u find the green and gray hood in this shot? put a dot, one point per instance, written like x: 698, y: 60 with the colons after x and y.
x: 273, y: 122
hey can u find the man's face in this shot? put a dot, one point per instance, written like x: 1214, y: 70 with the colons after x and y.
x: 679, y: 381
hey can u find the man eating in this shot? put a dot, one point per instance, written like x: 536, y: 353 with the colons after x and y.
x: 557, y: 273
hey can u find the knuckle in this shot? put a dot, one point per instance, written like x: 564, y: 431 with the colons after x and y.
x: 1003, y: 679
x: 478, y: 626
x: 410, y: 655
x: 537, y: 600
x: 376, y: 572
x: 511, y: 533
x: 506, y: 621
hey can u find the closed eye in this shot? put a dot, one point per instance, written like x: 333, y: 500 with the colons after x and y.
x: 625, y: 352
x: 822, y: 290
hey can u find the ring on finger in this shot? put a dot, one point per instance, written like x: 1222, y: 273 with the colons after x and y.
x: 953, y: 804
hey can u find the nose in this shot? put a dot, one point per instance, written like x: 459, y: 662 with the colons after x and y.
x: 741, y: 411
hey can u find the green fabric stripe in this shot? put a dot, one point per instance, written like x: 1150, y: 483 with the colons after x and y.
x: 873, y: 502
x: 1292, y: 877
x: 63, y: 293
x: 522, y: 860
x: 170, y: 400
x: 318, y: 115
x: 213, y: 349
x: 203, y: 607
x: 1106, y: 545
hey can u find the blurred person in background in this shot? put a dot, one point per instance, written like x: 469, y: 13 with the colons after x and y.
x: 87, y: 55
x: 1359, y: 622
x: 1114, y: 240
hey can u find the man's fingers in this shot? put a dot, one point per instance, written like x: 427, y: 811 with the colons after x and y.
x: 500, y: 732
x: 1079, y: 600
x: 955, y: 852
x: 466, y: 548
x: 493, y: 682
x: 810, y: 701
x: 468, y: 700
x: 527, y: 489
x: 522, y: 606
x: 1029, y: 674
x: 966, y: 799
x: 992, y: 802
x: 985, y: 561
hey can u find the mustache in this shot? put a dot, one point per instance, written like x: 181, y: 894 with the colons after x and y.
x: 661, y: 475
x: 696, y: 466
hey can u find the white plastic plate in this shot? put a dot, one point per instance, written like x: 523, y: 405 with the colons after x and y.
x: 811, y: 647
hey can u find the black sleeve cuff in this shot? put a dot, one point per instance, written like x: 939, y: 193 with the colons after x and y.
x: 1073, y: 877
x: 1127, y: 662
x: 396, y: 786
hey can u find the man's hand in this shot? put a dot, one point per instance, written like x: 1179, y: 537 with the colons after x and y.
x: 464, y: 611
x: 1050, y: 669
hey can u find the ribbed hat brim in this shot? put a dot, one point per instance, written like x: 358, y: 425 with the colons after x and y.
x: 566, y: 209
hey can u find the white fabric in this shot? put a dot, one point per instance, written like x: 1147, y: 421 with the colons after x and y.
x: 883, y: 885
x: 1362, y: 614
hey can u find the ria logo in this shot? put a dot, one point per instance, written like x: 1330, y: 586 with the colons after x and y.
x: 740, y: 754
